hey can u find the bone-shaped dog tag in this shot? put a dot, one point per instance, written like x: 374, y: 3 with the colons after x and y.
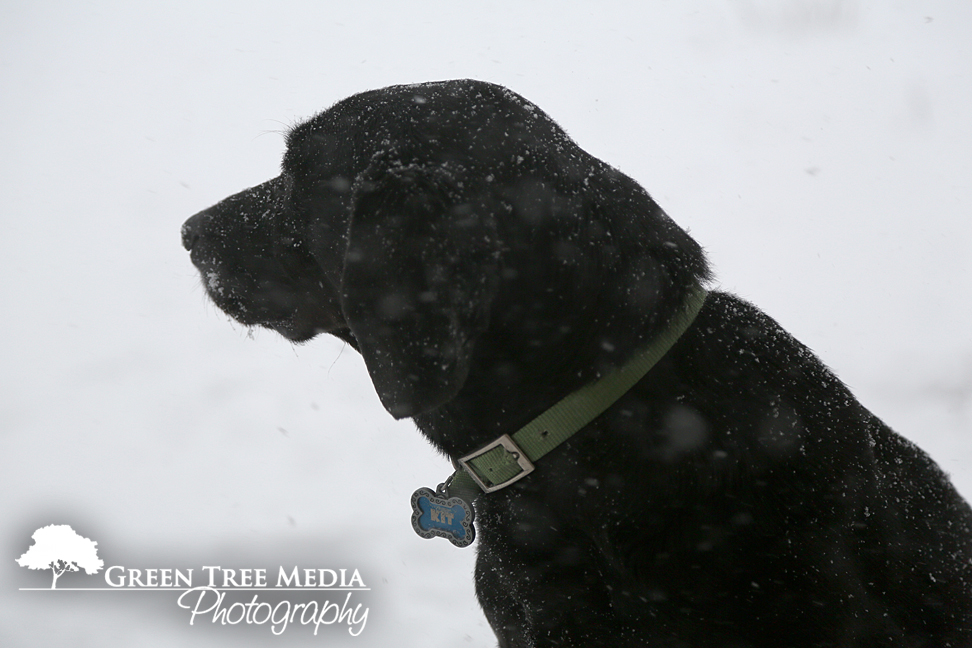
x: 450, y: 518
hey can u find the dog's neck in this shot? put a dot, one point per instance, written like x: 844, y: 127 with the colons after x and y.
x: 504, y: 391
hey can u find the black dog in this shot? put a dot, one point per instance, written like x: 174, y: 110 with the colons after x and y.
x: 486, y: 267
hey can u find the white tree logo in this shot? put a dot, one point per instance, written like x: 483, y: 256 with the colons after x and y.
x: 58, y: 547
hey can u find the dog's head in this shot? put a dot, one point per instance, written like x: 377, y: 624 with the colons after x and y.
x: 412, y: 221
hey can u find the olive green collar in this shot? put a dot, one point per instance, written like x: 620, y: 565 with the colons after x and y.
x: 512, y: 456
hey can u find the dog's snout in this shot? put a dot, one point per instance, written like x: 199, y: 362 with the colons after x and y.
x: 191, y: 229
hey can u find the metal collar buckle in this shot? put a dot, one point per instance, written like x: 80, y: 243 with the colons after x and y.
x: 525, y: 465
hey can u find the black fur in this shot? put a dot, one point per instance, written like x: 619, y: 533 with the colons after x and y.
x: 485, y: 266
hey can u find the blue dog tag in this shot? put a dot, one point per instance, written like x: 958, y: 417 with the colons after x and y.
x: 450, y: 518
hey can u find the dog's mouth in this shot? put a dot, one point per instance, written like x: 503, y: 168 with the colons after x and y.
x: 290, y: 306
x: 284, y: 305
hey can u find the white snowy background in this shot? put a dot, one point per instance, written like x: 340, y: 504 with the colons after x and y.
x: 821, y: 151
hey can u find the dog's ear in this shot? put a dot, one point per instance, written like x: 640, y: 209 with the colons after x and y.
x: 420, y: 273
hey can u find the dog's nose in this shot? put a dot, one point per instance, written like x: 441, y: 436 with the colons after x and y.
x: 191, y: 229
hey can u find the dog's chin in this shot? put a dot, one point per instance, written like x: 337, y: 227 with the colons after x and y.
x: 299, y: 333
x: 294, y: 331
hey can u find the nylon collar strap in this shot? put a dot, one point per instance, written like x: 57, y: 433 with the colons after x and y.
x: 511, y: 457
